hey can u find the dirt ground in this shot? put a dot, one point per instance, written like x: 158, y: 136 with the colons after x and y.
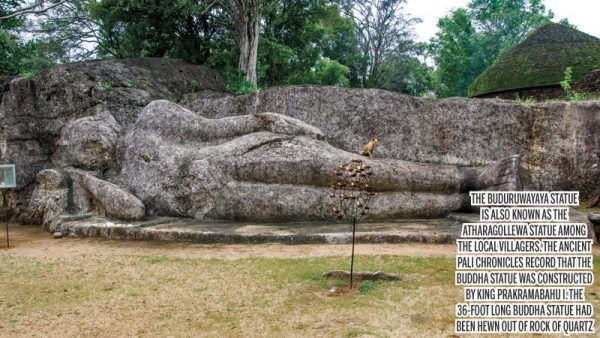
x: 73, y: 287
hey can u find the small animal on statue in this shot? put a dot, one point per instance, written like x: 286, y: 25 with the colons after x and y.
x: 367, y: 149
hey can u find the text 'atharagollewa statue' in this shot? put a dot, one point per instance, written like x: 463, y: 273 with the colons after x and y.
x: 351, y: 194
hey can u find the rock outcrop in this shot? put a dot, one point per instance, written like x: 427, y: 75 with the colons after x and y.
x: 558, y: 141
x: 270, y: 167
x: 88, y: 143
x: 85, y: 120
x: 72, y: 114
x: 60, y: 192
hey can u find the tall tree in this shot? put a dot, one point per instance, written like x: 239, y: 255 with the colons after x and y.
x: 382, y: 30
x: 301, y: 39
x: 70, y: 26
x: 470, y: 40
x: 24, y: 9
x: 457, y: 53
x: 405, y: 74
x: 180, y: 28
x: 245, y: 20
x: 21, y: 54
x: 505, y: 23
x: 10, y: 46
x: 156, y: 28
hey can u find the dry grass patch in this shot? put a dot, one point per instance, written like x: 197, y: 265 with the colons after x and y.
x: 183, y: 290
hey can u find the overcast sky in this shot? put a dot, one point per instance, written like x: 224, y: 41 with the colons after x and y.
x: 582, y: 13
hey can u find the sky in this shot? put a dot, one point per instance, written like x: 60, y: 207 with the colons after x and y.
x: 581, y: 13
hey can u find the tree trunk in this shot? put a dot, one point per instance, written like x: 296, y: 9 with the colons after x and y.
x: 243, y: 44
x: 247, y: 17
x: 253, y: 52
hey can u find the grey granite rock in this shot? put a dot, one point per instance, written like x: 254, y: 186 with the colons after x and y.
x: 33, y: 111
x: 108, y: 198
x: 88, y: 143
x: 78, y: 115
x: 49, y: 199
x: 558, y: 141
x: 270, y: 167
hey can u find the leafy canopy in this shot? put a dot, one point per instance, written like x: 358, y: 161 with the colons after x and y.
x: 471, y: 39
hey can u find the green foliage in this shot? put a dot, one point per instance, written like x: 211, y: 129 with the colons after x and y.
x: 154, y: 28
x: 368, y: 285
x: 570, y: 94
x: 301, y: 41
x: 541, y: 60
x: 332, y: 73
x: 306, y: 41
x: 325, y: 72
x: 566, y: 82
x: 106, y: 85
x: 236, y: 82
x: 10, y: 46
x: 40, y: 55
x: 470, y: 40
x: 296, y: 36
x: 26, y: 59
x: 456, y: 54
x: 19, y: 57
x: 10, y: 53
x: 505, y: 23
x: 405, y: 74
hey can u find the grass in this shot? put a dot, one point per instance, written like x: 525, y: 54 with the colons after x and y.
x: 579, y: 97
x: 160, y: 295
x: 130, y: 289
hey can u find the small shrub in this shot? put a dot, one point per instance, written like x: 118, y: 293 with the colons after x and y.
x: 242, y: 87
x: 106, y: 85
x: 526, y: 101
x: 572, y: 95
x: 566, y: 82
x: 194, y: 86
x: 236, y: 82
x: 27, y: 74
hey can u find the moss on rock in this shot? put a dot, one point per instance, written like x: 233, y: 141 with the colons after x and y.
x: 541, y: 60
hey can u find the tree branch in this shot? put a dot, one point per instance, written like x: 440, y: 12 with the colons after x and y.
x: 31, y: 9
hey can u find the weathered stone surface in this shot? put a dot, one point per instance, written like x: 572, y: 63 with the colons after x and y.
x: 564, y: 148
x: 63, y: 192
x: 504, y: 168
x: 558, y: 141
x: 451, y: 131
x: 111, y: 200
x: 590, y: 83
x: 33, y: 111
x: 53, y: 120
x: 49, y: 200
x: 88, y: 143
x: 577, y: 216
x: 432, y: 231
x: 270, y: 167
